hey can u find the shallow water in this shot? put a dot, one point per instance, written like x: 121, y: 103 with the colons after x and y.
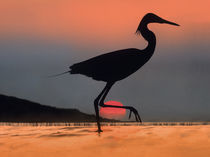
x: 118, y: 139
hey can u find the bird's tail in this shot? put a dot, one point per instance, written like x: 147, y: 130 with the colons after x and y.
x: 59, y: 74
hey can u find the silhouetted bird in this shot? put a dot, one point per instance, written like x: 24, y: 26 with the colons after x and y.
x: 117, y: 65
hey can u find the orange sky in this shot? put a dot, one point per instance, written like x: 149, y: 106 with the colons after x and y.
x: 81, y: 29
x: 105, y: 21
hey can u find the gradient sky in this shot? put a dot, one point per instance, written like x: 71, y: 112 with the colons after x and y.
x: 43, y: 37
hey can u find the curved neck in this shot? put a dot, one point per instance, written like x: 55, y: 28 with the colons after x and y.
x: 148, y: 35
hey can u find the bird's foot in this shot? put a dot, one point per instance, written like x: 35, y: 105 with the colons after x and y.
x: 135, y: 112
x: 99, y: 130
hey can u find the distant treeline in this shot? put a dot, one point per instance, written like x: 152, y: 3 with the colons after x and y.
x: 89, y: 124
x: 13, y: 109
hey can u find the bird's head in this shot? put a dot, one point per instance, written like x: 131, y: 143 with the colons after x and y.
x: 152, y: 18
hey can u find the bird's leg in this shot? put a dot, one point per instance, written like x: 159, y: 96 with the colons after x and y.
x: 132, y: 109
x: 96, y: 101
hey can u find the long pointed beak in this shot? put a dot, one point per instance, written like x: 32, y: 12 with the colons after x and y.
x: 171, y: 23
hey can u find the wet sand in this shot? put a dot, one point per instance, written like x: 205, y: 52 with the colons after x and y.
x: 122, y: 141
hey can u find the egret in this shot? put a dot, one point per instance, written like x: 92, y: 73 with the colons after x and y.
x: 117, y: 65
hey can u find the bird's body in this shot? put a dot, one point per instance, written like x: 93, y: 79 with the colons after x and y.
x: 117, y: 65
x: 113, y: 66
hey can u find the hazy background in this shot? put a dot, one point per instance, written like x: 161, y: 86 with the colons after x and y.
x: 40, y: 38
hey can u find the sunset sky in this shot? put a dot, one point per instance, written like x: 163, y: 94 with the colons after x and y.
x: 44, y: 37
